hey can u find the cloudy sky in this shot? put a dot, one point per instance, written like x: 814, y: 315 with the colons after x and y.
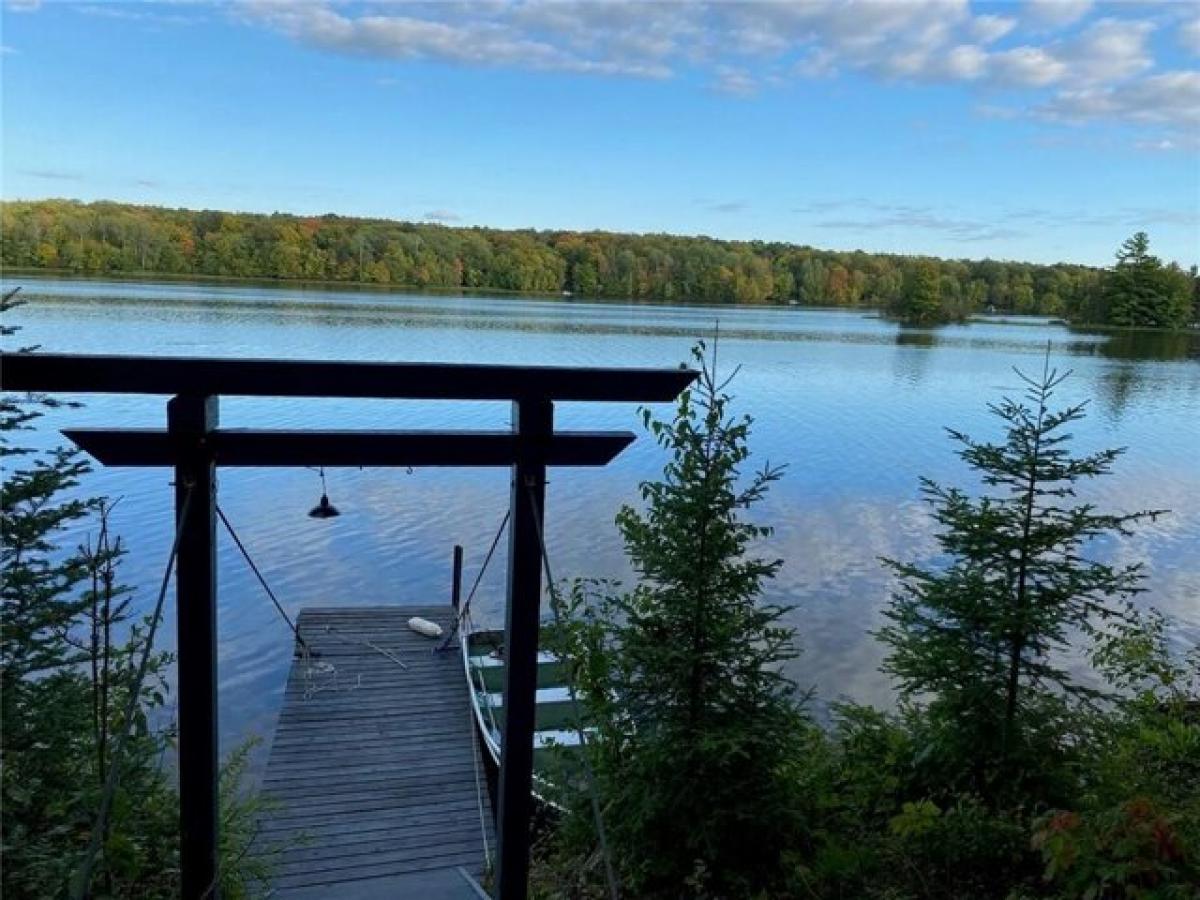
x: 1044, y: 129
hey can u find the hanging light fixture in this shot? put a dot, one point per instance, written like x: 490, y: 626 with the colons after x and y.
x: 324, y: 509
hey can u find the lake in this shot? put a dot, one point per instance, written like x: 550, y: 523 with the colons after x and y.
x: 853, y: 405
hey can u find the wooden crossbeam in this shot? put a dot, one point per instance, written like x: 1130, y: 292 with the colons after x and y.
x: 73, y: 373
x: 238, y: 447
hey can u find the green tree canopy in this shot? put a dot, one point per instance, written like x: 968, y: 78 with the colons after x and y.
x: 982, y: 638
x: 697, y: 725
x: 1141, y: 291
x: 106, y: 237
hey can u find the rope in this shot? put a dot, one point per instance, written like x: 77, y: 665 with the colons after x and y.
x: 311, y: 670
x: 261, y: 580
x: 473, y: 672
x: 556, y: 608
x: 371, y: 645
x: 312, y: 688
x: 487, y: 702
x: 487, y: 852
x: 466, y: 607
x: 84, y: 875
x: 306, y: 652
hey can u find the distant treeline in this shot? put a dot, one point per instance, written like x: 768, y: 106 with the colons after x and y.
x: 106, y: 237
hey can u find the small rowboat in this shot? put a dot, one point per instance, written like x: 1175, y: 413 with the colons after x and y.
x: 554, y: 722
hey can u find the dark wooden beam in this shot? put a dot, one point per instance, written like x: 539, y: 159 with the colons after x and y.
x: 236, y: 447
x: 191, y: 420
x: 68, y: 373
x: 533, y: 423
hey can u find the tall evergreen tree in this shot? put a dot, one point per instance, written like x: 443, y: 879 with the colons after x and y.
x: 1178, y: 287
x: 37, y: 599
x: 921, y: 302
x: 1140, y: 291
x: 698, y: 727
x: 983, y: 639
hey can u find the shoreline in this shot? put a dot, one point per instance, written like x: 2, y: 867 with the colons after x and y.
x: 10, y: 275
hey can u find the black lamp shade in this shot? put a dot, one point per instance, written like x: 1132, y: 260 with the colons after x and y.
x: 324, y: 509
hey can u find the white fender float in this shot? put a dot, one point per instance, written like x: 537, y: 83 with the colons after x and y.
x: 425, y: 627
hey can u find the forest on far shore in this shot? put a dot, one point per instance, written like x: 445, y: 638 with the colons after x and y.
x: 118, y: 238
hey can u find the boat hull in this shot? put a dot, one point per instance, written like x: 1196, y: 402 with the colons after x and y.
x: 556, y: 721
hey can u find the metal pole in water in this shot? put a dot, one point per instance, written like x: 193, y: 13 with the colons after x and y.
x: 456, y: 584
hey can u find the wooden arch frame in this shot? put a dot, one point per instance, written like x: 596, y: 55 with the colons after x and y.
x: 194, y: 445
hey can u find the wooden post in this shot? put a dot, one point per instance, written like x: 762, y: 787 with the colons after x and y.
x: 190, y: 418
x: 456, y: 583
x: 533, y: 421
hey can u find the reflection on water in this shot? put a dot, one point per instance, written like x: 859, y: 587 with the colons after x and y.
x: 1117, y: 386
x: 911, y: 358
x: 853, y: 404
x: 1151, y: 345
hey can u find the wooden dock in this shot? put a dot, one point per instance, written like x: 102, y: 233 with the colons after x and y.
x: 375, y: 768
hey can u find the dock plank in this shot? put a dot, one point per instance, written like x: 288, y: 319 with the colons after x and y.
x: 372, y: 771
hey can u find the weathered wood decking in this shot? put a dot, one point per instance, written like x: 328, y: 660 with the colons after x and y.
x: 373, y: 765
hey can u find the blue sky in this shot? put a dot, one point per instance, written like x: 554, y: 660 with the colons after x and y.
x: 1044, y: 130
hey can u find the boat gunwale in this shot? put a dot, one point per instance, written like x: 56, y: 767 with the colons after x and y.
x: 465, y: 632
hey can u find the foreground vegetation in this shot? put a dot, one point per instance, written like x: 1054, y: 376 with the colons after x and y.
x: 108, y: 237
x: 1003, y: 773
x: 70, y: 651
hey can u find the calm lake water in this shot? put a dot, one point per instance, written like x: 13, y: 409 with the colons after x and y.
x: 854, y: 406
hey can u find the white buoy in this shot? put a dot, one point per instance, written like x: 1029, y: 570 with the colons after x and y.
x: 425, y: 627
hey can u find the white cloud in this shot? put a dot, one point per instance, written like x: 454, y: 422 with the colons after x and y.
x: 995, y: 111
x: 1108, y: 50
x: 1056, y: 13
x: 442, y: 215
x: 919, y: 40
x: 965, y: 61
x: 1189, y: 35
x: 817, y: 63
x: 902, y: 218
x: 22, y: 5
x: 52, y: 174
x: 727, y: 206
x: 1095, y: 64
x: 734, y: 80
x: 1171, y: 98
x: 1027, y: 67
x: 1175, y: 143
x: 988, y: 28
x: 482, y: 41
x: 1161, y: 145
x: 134, y: 12
x: 1090, y: 218
x: 891, y: 39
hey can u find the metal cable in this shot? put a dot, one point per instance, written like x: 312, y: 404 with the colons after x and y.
x: 466, y: 607
x: 261, y: 579
x: 84, y: 875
